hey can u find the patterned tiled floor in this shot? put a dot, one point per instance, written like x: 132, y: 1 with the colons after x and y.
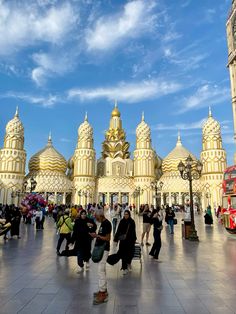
x: 193, y: 278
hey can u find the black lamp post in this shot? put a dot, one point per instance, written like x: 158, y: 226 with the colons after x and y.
x: 156, y: 186
x: 191, y: 170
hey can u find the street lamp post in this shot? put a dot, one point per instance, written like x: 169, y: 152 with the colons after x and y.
x: 33, y: 184
x: 157, y: 186
x: 191, y: 170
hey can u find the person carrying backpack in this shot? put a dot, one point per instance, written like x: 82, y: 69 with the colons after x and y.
x: 65, y: 227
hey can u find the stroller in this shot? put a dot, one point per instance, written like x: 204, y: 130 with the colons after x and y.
x: 137, y: 252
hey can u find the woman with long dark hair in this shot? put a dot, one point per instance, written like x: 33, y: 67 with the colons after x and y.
x: 157, y: 228
x: 126, y: 235
x: 82, y: 239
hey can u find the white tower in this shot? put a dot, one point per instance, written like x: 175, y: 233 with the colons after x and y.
x: 213, y: 158
x: 144, y: 162
x: 84, y: 166
x: 12, y: 161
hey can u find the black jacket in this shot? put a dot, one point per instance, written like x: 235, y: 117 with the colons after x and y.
x: 81, y: 230
x: 124, y: 226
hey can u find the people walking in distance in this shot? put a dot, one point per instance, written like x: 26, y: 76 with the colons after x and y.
x: 157, y: 228
x: 170, y: 215
x: 115, y: 217
x: 146, y: 224
x: 218, y: 212
x: 65, y: 227
x: 208, y: 216
x: 126, y: 236
x: 82, y: 239
x: 8, y: 218
x: 38, y: 218
x: 103, y: 238
x: 15, y: 222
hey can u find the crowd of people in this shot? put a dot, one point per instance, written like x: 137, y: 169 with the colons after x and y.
x: 79, y: 226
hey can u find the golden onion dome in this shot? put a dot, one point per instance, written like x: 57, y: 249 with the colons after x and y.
x: 48, y: 159
x: 143, y: 131
x: 211, y: 126
x: 15, y: 126
x: 115, y: 111
x: 179, y: 153
x: 85, y: 131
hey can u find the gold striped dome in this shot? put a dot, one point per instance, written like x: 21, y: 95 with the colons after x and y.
x: 48, y: 159
x: 143, y: 131
x: 15, y: 125
x: 179, y: 153
x: 211, y: 126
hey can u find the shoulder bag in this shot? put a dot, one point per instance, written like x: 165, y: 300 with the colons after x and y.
x: 123, y: 236
x: 98, y: 252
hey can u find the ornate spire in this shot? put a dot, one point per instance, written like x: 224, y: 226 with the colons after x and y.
x: 49, y: 139
x: 86, y: 116
x: 115, y: 103
x: 17, y: 112
x: 143, y: 116
x: 179, y: 142
x: 210, y: 113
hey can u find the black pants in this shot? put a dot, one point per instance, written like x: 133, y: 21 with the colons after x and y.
x: 126, y: 252
x: 63, y: 236
x: 157, y: 243
x: 38, y: 223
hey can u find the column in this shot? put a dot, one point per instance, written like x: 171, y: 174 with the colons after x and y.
x: 170, y: 201
x: 162, y: 200
x: 180, y: 199
x: 64, y: 198
x: 119, y: 197
x: 108, y: 201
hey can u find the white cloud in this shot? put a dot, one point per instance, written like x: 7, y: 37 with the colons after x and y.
x: 189, y: 126
x: 51, y: 63
x: 111, y: 30
x: 27, y: 24
x: 205, y: 96
x: 44, y: 101
x: 180, y: 126
x: 128, y: 92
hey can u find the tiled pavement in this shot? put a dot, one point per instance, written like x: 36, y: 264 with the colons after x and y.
x: 193, y: 278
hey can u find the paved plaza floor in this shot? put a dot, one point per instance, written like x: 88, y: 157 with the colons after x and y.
x: 193, y: 278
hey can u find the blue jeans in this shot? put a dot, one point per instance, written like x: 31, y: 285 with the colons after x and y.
x: 114, y: 224
x: 171, y: 225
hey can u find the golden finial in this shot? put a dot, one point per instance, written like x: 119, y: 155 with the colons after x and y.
x: 115, y: 103
x: 143, y: 116
x: 210, y: 113
x: 17, y: 112
x: 86, y: 116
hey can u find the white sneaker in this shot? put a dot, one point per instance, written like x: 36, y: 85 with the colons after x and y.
x: 125, y: 272
x: 80, y: 270
x: 129, y: 267
x: 86, y: 265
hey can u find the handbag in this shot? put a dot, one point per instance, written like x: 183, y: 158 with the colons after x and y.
x: 123, y: 237
x: 98, y: 252
x: 175, y: 221
x: 113, y: 259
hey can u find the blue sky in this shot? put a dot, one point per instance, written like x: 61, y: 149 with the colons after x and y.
x: 59, y: 59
